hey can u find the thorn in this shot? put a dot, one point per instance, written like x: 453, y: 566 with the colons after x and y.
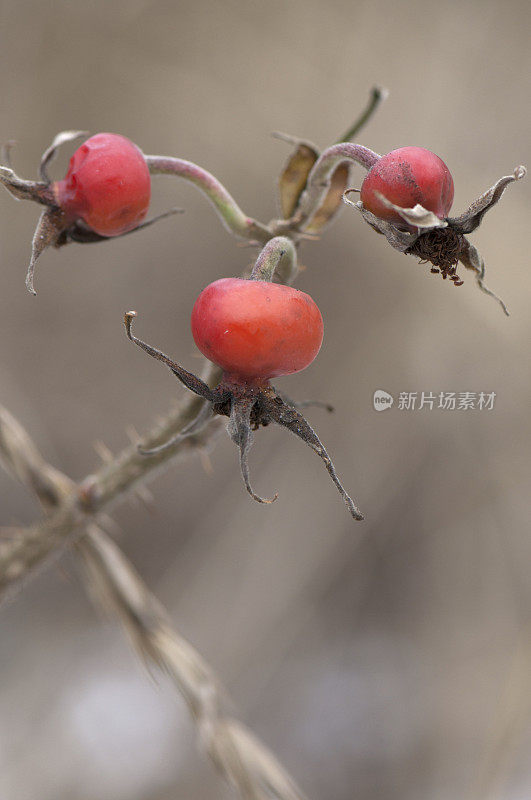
x: 103, y: 451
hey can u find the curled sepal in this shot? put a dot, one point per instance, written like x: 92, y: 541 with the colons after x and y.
x: 239, y: 429
x: 418, y: 216
x: 190, y: 380
x: 289, y: 418
x: 471, y: 218
x: 400, y: 240
x: 24, y: 190
x: 472, y: 259
x: 48, y: 156
x: 47, y: 234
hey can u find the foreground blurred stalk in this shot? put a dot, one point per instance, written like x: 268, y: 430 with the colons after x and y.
x: 112, y: 580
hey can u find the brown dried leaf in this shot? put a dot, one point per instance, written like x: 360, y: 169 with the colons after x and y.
x: 293, y: 177
x: 332, y: 201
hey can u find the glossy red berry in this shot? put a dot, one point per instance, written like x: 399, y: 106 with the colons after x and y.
x: 407, y: 177
x: 107, y: 185
x: 256, y: 330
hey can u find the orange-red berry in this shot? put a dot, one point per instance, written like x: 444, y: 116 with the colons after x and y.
x: 407, y: 177
x: 256, y: 330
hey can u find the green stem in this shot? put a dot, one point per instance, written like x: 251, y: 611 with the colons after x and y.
x: 229, y: 211
x: 279, y: 255
x: 377, y: 97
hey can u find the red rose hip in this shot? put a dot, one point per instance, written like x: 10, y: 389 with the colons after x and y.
x: 256, y: 330
x: 407, y: 177
x: 107, y: 185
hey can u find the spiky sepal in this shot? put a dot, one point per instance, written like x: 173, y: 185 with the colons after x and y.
x: 249, y: 407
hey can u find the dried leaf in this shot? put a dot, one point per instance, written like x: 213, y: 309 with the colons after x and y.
x: 471, y: 218
x: 332, y: 201
x: 294, y: 176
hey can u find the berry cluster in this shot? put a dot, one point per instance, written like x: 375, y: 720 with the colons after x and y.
x: 258, y: 328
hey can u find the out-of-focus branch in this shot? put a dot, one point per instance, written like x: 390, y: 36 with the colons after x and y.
x: 243, y: 760
x: 79, y: 504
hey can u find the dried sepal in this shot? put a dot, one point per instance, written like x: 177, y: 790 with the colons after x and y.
x: 396, y: 237
x: 471, y: 218
x: 24, y: 190
x: 293, y: 178
x: 240, y: 431
x: 47, y: 234
x: 417, y: 217
x: 288, y: 417
x: 472, y: 259
x: 190, y: 380
x: 82, y: 234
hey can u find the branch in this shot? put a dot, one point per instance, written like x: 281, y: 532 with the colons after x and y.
x: 112, y: 580
x: 80, y: 504
x: 321, y: 174
x: 279, y: 257
x: 233, y: 218
x: 377, y: 96
x: 243, y: 760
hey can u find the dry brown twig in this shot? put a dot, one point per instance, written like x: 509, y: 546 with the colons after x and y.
x: 112, y: 580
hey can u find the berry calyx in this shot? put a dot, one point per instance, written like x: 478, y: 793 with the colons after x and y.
x: 408, y: 177
x: 107, y: 185
x: 256, y: 330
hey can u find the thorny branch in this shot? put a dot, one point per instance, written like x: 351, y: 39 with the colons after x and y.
x: 81, y: 504
x: 112, y: 581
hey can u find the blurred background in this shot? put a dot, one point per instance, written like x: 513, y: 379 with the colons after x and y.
x: 388, y: 659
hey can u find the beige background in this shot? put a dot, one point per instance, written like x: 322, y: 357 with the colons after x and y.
x: 382, y: 660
